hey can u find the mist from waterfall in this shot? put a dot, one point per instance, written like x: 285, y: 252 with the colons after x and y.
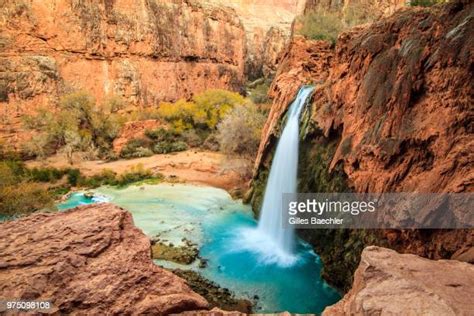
x: 273, y: 243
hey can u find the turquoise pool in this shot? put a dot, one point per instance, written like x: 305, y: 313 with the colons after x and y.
x: 220, y: 225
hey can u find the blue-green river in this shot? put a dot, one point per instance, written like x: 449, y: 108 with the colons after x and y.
x: 220, y: 226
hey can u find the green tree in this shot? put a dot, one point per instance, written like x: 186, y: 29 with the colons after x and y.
x: 79, y: 124
x: 17, y: 194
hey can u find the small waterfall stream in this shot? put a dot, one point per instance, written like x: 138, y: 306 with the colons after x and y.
x: 282, y: 178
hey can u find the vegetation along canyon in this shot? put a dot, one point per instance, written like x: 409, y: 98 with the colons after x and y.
x: 150, y: 149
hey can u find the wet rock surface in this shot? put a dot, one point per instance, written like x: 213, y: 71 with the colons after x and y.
x: 389, y: 283
x: 185, y: 254
x: 217, y: 296
x: 89, y: 260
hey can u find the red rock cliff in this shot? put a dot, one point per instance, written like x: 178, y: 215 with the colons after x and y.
x: 144, y: 51
x: 399, y: 93
x: 395, y: 114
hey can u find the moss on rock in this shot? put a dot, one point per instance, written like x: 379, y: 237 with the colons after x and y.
x: 180, y: 254
x: 258, y: 190
x: 213, y: 293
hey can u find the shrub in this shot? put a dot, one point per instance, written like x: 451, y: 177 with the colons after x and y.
x: 188, y: 138
x: 13, y: 170
x: 320, y: 24
x: 180, y: 114
x: 143, y: 152
x: 7, y: 175
x: 214, y: 104
x: 162, y: 134
x: 426, y: 3
x: 192, y: 138
x: 357, y: 13
x: 136, y: 148
x: 7, y: 153
x: 135, y: 174
x: 38, y: 147
x: 17, y: 195
x: 167, y: 147
x: 73, y: 176
x: 23, y: 198
x: 46, y: 174
x: 79, y: 124
x: 326, y: 24
x: 204, y: 111
x: 258, y: 93
x: 105, y: 177
x: 240, y: 131
x: 211, y: 143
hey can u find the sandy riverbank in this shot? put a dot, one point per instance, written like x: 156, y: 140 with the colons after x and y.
x: 199, y: 167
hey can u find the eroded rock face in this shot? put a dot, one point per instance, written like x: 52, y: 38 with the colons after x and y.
x: 401, y: 91
x: 267, y: 25
x: 303, y: 62
x: 90, y: 260
x: 397, y: 106
x: 390, y: 283
x: 143, y: 51
x: 400, y: 95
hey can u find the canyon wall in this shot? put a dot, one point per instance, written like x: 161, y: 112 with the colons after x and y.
x: 143, y: 51
x: 374, y: 7
x: 401, y: 94
x: 268, y: 27
x: 393, y: 115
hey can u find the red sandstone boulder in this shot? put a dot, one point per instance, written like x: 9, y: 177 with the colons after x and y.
x: 135, y: 129
x: 389, y: 283
x: 91, y: 260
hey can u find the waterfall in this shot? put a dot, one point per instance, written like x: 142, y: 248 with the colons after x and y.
x: 282, y: 178
x: 273, y: 243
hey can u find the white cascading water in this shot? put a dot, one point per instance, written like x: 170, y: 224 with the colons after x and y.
x: 273, y: 243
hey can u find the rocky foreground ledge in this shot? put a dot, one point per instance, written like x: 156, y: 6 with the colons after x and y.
x: 389, y: 283
x: 91, y: 260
